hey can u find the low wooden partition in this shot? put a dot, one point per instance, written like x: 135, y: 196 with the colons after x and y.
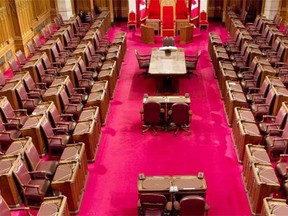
x: 54, y: 206
x: 147, y: 34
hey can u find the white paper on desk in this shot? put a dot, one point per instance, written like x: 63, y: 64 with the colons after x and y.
x: 170, y: 48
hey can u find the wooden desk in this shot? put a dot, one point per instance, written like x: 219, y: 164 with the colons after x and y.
x: 110, y: 75
x: 70, y: 71
x: 155, y: 24
x: 76, y: 152
x: 47, y: 48
x: 170, y: 100
x: 70, y: 183
x: 100, y: 99
x: 9, y: 91
x: 147, y: 34
x: 9, y: 189
x: 32, y: 128
x: 264, y: 183
x: 167, y: 68
x: 248, y: 134
x: 186, y: 34
x: 54, y: 94
x: 31, y: 67
x: 89, y: 133
x: 274, y: 207
x: 253, y: 154
x: 54, y: 206
x: 186, y: 185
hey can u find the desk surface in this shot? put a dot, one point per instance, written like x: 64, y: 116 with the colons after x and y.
x: 167, y: 99
x: 189, y: 183
x: 171, y: 64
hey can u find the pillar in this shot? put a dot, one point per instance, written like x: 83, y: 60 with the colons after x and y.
x: 271, y: 8
x: 65, y: 8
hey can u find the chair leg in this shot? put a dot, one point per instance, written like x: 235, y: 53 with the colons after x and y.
x: 176, y: 131
x: 145, y: 128
x: 191, y: 73
x: 186, y: 128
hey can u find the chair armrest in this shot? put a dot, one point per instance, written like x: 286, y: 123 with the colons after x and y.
x: 20, y: 112
x: 283, y: 158
x: 269, y: 118
x: 42, y: 86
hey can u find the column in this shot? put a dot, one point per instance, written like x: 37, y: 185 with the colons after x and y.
x: 271, y: 8
x: 65, y: 8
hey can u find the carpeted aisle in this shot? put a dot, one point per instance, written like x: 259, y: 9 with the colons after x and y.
x: 124, y: 152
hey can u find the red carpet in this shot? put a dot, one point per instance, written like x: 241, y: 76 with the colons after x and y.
x: 124, y: 152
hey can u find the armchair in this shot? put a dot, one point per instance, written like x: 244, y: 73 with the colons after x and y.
x: 271, y: 123
x: 143, y: 62
x: 33, y: 191
x: 132, y: 20
x: 180, y: 114
x: 276, y: 144
x: 191, y: 63
x: 191, y: 205
x: 203, y: 20
x: 153, y: 204
x: 39, y: 169
x: 282, y: 166
x: 151, y: 116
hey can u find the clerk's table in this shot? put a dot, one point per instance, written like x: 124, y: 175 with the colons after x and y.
x: 167, y: 67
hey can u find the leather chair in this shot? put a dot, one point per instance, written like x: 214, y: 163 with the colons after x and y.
x: 31, y: 48
x: 57, y: 58
x: 131, y: 20
x: 74, y: 37
x: 27, y: 100
x: 276, y: 144
x: 191, y: 63
x: 94, y: 64
x: 203, y: 20
x: 168, y: 41
x: 83, y: 26
x: 8, y: 134
x: 50, y: 29
x: 21, y: 58
x: 63, y: 51
x: 270, y: 123
x: 45, y: 33
x: 56, y: 138
x: 12, y: 116
x: 153, y: 204
x: 58, y: 120
x: 282, y: 167
x: 45, y: 76
x: 143, y: 62
x: 260, y: 109
x: 37, y: 42
x: 6, y: 211
x: 89, y: 72
x: 151, y: 116
x: 39, y: 169
x: 180, y: 114
x: 57, y: 22
x: 83, y: 80
x: 50, y: 66
x: 33, y: 191
x: 69, y: 44
x: 71, y: 107
x: 34, y: 90
x: 191, y: 205
x: 14, y: 66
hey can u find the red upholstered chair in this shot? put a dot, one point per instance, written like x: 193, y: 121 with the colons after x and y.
x: 21, y: 57
x: 151, y: 116
x: 39, y: 169
x: 132, y: 20
x: 203, y: 20
x: 277, y: 144
x: 10, y: 115
x: 14, y: 66
x: 33, y: 191
x: 168, y: 21
x: 180, y: 115
x: 191, y: 205
x: 282, y: 166
x: 153, y: 204
x: 8, y: 134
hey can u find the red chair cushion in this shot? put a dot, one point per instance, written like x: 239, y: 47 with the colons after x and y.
x: 168, y: 18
